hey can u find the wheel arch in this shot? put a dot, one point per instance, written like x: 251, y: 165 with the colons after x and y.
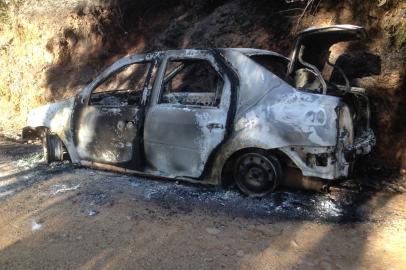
x: 39, y: 132
x: 228, y: 165
x: 33, y: 133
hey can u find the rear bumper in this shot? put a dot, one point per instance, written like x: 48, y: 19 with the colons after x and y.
x: 333, y: 162
x: 362, y: 145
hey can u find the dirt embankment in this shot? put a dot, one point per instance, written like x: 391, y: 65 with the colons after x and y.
x: 48, y: 52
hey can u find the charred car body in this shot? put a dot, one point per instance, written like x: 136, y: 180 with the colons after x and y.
x: 203, y: 114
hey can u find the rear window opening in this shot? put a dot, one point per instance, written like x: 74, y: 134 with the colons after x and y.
x: 275, y: 64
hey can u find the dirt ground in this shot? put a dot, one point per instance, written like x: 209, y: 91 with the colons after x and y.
x: 67, y: 217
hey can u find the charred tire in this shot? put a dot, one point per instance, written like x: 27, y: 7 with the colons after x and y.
x: 53, y: 148
x: 257, y: 173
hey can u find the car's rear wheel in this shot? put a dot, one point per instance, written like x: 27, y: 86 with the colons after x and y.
x: 257, y: 173
x: 53, y: 148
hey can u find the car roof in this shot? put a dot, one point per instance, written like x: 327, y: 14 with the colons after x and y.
x: 246, y: 51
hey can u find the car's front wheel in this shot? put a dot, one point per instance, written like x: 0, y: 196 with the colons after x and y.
x: 53, y: 148
x: 257, y: 173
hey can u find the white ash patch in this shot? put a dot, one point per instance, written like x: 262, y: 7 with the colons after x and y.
x: 6, y: 193
x: 91, y: 212
x: 213, y: 231
x: 327, y: 206
x: 35, y: 226
x: 134, y: 184
x: 61, y: 188
x: 160, y: 190
x: 29, y: 161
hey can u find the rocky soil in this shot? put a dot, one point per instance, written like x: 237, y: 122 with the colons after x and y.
x: 67, y: 217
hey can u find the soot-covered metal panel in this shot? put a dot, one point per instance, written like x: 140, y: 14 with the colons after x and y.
x: 175, y: 140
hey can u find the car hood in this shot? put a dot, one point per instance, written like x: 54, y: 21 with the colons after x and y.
x: 52, y: 115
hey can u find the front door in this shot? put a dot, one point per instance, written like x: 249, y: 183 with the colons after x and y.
x: 187, y: 116
x: 108, y: 129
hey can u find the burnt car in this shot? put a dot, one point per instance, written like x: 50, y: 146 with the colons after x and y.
x: 214, y: 115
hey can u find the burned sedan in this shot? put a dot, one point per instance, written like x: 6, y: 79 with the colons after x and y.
x: 211, y: 115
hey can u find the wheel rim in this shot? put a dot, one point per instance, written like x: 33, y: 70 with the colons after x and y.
x: 255, y: 174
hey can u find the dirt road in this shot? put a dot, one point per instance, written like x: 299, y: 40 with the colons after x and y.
x: 66, y: 217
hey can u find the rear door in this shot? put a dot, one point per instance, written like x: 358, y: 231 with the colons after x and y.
x: 187, y: 116
x: 109, y: 125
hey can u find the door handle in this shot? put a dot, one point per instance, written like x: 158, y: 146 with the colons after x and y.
x: 215, y: 125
